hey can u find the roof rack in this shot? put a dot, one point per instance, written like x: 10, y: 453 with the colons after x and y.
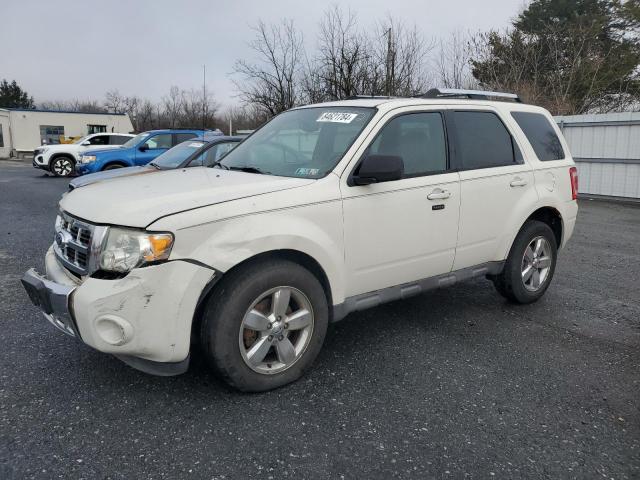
x: 470, y: 94
x: 356, y: 97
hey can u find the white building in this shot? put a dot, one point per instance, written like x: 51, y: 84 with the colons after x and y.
x: 23, y: 130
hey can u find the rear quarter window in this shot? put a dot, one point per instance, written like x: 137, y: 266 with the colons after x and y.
x: 540, y: 134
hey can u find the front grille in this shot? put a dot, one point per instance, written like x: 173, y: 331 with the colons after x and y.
x: 73, y: 243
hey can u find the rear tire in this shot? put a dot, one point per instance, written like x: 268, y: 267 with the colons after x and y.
x: 113, y: 166
x: 62, y: 166
x: 530, y: 265
x: 287, y: 308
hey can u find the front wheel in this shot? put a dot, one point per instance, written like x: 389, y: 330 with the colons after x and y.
x: 62, y: 166
x: 264, y: 325
x: 530, y: 265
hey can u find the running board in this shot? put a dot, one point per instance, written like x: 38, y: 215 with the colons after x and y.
x: 411, y: 289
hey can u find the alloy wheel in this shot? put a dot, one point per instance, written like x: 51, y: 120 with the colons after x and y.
x: 62, y: 167
x: 276, y: 330
x: 536, y: 263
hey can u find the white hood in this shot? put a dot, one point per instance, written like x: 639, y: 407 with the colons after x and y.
x: 138, y: 200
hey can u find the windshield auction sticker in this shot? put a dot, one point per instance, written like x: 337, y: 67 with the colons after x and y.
x: 307, y: 171
x: 337, y: 117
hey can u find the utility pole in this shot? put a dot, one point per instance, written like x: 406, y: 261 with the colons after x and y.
x: 204, y: 95
x: 390, y: 63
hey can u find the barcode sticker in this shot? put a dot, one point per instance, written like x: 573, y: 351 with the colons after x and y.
x: 337, y: 117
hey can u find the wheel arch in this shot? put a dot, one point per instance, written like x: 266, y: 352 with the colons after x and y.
x: 110, y: 163
x: 551, y: 217
x: 296, y: 256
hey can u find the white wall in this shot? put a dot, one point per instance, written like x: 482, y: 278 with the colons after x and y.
x: 25, y: 125
x: 4, y: 124
x: 606, y: 149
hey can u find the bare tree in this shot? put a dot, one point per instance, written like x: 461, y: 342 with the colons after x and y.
x: 453, y: 62
x: 272, y: 82
x: 344, y: 57
x: 403, y: 52
x: 114, y: 101
x: 172, y: 107
x: 198, y: 110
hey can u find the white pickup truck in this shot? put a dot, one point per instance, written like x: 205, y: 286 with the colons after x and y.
x: 325, y: 210
x: 61, y: 159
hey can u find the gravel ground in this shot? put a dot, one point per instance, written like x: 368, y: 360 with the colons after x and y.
x: 455, y: 383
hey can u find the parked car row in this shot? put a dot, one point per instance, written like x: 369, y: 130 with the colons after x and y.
x: 325, y: 210
x: 196, y: 152
x: 109, y: 151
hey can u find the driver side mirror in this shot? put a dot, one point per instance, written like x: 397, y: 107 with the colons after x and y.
x: 378, y: 168
x: 144, y: 147
x: 86, y: 144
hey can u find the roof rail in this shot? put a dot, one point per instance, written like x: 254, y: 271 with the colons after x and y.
x: 356, y: 97
x: 470, y: 94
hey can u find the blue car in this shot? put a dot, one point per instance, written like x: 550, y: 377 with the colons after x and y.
x: 140, y: 150
x: 198, y: 152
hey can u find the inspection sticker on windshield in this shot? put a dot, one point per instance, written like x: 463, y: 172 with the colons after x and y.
x: 337, y: 117
x: 195, y: 144
x: 307, y: 171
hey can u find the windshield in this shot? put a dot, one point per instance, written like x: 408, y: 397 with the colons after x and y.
x: 173, y: 157
x: 135, y: 140
x: 305, y: 143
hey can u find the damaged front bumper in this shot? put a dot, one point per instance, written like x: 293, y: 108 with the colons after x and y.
x: 144, y: 319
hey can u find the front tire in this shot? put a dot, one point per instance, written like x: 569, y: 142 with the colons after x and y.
x: 530, y: 265
x: 264, y: 325
x: 62, y: 166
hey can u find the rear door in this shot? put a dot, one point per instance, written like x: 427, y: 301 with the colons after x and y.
x: 496, y: 185
x: 403, y: 230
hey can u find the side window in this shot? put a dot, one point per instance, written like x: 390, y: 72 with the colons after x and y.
x: 418, y: 138
x: 484, y: 141
x: 540, y: 134
x: 159, y: 141
x: 183, y: 137
x: 118, y: 139
x: 99, y: 140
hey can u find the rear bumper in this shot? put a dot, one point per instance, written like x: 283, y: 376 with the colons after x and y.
x: 144, y: 319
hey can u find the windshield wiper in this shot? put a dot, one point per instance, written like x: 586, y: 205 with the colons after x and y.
x: 155, y: 165
x: 218, y: 163
x: 250, y: 169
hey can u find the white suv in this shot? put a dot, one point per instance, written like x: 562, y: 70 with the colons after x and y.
x: 325, y: 210
x: 61, y: 159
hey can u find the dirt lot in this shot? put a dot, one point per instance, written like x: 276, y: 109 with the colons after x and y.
x: 456, y: 383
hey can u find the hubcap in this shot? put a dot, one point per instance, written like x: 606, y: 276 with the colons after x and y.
x: 62, y: 167
x: 276, y: 330
x: 536, y: 263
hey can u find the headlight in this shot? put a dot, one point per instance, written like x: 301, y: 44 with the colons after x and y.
x: 126, y: 249
x: 87, y: 158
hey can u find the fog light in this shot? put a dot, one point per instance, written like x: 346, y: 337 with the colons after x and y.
x: 114, y: 330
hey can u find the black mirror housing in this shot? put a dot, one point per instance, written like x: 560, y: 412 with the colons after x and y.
x: 379, y: 168
x: 143, y: 148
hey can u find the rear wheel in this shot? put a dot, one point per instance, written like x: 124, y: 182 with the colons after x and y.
x: 264, y: 325
x: 113, y: 166
x: 62, y: 166
x: 530, y: 265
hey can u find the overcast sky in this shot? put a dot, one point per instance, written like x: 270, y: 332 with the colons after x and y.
x: 66, y: 49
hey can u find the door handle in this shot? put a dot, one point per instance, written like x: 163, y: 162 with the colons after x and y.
x: 518, y: 182
x: 439, y: 194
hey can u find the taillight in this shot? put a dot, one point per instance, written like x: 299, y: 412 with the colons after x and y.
x: 573, y: 174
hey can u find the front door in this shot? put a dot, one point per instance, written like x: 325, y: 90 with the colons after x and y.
x: 403, y: 230
x: 152, y: 147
